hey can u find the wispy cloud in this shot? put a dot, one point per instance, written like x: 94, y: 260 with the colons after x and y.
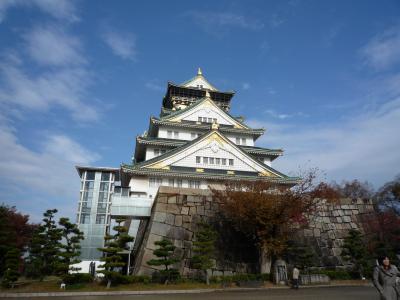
x: 383, y: 50
x: 47, y: 172
x: 245, y: 85
x: 53, y: 46
x: 276, y: 20
x: 60, y: 9
x: 121, y: 44
x: 219, y: 22
x: 154, y: 85
x: 281, y: 116
x: 365, y: 147
x: 65, y: 87
x: 330, y: 35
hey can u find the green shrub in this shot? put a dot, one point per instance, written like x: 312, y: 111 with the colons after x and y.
x: 240, y: 278
x: 77, y: 278
x: 172, y: 275
x: 335, y: 274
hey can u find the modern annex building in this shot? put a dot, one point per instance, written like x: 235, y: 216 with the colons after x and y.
x: 194, y: 143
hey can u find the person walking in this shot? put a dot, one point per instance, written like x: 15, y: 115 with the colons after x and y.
x: 384, y: 279
x: 295, y: 277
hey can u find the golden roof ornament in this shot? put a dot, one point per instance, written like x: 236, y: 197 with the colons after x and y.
x: 208, y: 94
x: 199, y: 73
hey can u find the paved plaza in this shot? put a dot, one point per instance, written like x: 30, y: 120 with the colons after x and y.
x: 326, y: 293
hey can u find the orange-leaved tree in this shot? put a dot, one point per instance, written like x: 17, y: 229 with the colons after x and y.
x: 266, y: 212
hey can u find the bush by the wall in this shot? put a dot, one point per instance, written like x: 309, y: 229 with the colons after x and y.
x: 240, y: 278
x: 77, y: 278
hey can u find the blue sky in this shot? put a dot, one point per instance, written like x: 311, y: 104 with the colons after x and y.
x: 80, y: 79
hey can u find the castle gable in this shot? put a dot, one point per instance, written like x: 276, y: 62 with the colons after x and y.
x: 205, y: 111
x: 212, y: 151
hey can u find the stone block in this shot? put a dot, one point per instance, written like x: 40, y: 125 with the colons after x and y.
x: 308, y: 232
x: 160, y: 217
x: 161, y: 207
x: 162, y: 199
x: 192, y: 210
x: 170, y: 219
x: 353, y: 226
x: 317, y: 233
x: 177, y: 233
x: 173, y: 208
x: 331, y: 235
x: 160, y: 228
x: 178, y: 243
x: 187, y: 219
x: 187, y: 225
x: 172, y: 200
x: 195, y: 199
x: 178, y: 221
x: 185, y: 210
x: 346, y: 219
x: 200, y: 210
x: 338, y: 219
x: 151, y: 241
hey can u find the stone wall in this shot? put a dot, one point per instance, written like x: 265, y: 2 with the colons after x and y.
x: 329, y: 225
x: 177, y: 211
x: 175, y: 215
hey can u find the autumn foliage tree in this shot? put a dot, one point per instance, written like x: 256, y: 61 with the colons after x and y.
x: 267, y: 213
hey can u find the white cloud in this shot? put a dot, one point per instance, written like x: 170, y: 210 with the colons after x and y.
x: 122, y: 44
x: 276, y: 21
x: 383, y: 50
x: 154, y: 85
x: 52, y: 46
x: 66, y: 88
x: 216, y: 22
x: 47, y: 172
x: 365, y: 147
x: 245, y: 85
x: 59, y: 9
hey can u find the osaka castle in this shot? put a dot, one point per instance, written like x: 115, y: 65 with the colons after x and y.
x: 194, y: 143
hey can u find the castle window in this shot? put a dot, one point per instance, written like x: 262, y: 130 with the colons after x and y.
x: 205, y: 160
x: 199, y: 119
x: 179, y: 182
x: 223, y: 160
x: 171, y: 182
x: 215, y: 120
x: 211, y: 160
x: 176, y: 134
x: 209, y: 120
x: 162, y: 151
x: 194, y: 184
x: 217, y: 161
x: 231, y: 162
x: 243, y: 141
x: 193, y: 135
x: 198, y: 159
x: 156, y: 152
x: 237, y: 141
x: 155, y: 182
x: 169, y: 134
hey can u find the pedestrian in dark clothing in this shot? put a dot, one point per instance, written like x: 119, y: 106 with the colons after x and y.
x: 384, y: 279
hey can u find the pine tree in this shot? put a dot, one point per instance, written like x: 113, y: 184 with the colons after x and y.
x: 204, y: 249
x: 70, y: 248
x: 11, y: 273
x: 354, y: 250
x: 165, y: 253
x: 300, y: 254
x: 113, y: 246
x: 45, y: 247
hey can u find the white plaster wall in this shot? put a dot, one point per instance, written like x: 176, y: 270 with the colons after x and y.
x: 199, y: 81
x: 267, y: 161
x: 239, y: 164
x: 184, y: 134
x: 208, y: 113
x: 249, y: 139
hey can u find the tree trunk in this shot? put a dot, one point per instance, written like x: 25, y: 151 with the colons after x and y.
x: 207, y: 278
x: 108, y: 283
x: 265, y: 262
